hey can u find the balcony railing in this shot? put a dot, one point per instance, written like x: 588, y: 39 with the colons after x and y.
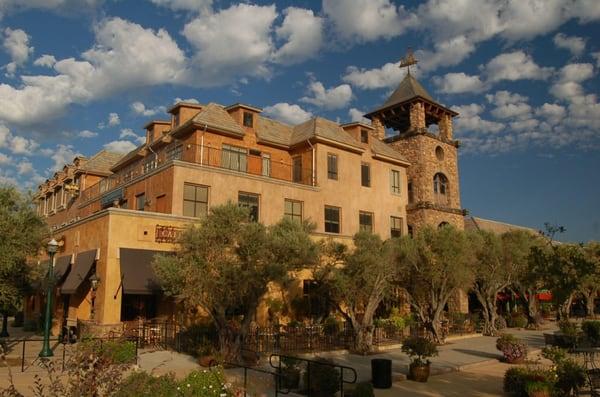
x: 234, y: 160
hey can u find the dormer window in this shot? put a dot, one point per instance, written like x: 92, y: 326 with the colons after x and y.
x: 364, y: 136
x: 248, y: 119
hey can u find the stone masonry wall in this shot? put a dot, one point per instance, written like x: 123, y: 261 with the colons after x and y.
x: 417, y: 115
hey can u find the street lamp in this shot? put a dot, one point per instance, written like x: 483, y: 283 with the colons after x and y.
x: 51, y: 249
x: 94, y: 281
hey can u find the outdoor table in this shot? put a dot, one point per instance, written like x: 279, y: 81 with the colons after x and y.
x: 591, y: 367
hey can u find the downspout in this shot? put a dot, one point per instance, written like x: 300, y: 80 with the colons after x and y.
x: 202, y: 145
x: 313, y: 174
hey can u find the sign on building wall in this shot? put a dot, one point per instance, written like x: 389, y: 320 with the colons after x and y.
x: 167, y: 234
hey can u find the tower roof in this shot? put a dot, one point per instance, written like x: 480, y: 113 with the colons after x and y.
x: 408, y: 89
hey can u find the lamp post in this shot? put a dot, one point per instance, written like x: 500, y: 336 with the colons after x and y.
x: 51, y: 249
x: 94, y: 281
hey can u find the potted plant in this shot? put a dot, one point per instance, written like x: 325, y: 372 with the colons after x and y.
x: 538, y: 389
x: 289, y: 373
x: 513, y: 349
x: 419, y: 349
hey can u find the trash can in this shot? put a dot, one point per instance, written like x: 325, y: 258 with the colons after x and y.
x: 381, y: 373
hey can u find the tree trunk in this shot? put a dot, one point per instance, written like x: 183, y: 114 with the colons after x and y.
x: 363, y: 342
x: 488, y: 303
x: 230, y: 345
x: 4, y: 333
x: 564, y: 309
x: 434, y: 326
x: 590, y: 298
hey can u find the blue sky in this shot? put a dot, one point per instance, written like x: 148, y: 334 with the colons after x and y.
x: 80, y: 75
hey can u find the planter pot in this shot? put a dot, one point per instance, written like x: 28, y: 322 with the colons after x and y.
x: 290, y: 379
x: 514, y: 360
x: 206, y: 361
x: 418, y: 373
x: 540, y: 393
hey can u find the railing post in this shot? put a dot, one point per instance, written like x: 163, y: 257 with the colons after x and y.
x: 63, y: 356
x: 23, y: 357
x: 308, y: 378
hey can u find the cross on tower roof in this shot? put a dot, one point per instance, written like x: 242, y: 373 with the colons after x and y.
x: 408, y: 60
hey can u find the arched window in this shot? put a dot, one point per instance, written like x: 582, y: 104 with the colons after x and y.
x: 443, y: 224
x: 440, y: 184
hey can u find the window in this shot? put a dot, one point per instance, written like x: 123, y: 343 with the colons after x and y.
x: 365, y: 174
x: 410, y: 230
x: 140, y: 202
x: 440, y: 184
x: 234, y: 158
x: 297, y: 169
x: 266, y: 164
x: 195, y: 200
x: 410, y: 193
x: 124, y: 204
x: 250, y: 201
x: 364, y: 136
x: 365, y: 220
x: 395, y: 226
x: 332, y: 166
x: 315, y: 303
x: 332, y: 219
x: 293, y: 210
x: 248, y: 119
x: 395, y: 181
x: 174, y: 152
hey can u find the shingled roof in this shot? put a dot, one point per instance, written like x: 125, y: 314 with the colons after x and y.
x: 381, y: 149
x: 215, y: 116
x: 272, y: 131
x: 474, y: 223
x: 102, y: 162
x: 320, y: 127
x: 408, y: 89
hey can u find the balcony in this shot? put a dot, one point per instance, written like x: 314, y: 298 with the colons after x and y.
x: 232, y: 159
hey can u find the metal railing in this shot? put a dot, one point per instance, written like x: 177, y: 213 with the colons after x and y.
x: 317, y: 367
x: 245, y: 368
x: 246, y: 163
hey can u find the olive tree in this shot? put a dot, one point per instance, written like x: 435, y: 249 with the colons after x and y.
x: 21, y: 234
x: 357, y: 281
x: 590, y: 285
x: 431, y: 267
x: 225, y: 263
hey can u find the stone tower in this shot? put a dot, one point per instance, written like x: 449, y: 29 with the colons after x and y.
x: 433, y: 190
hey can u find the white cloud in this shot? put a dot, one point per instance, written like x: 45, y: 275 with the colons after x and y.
x: 515, y: 66
x: 46, y: 61
x: 357, y: 115
x: 125, y: 56
x: 231, y: 43
x: 87, y: 134
x: 551, y: 113
x: 389, y: 75
x: 367, y: 20
x: 510, y: 106
x: 16, y: 45
x: 331, y: 98
x: 120, y: 146
x: 4, y: 159
x: 446, y: 52
x: 287, y: 113
x: 113, y: 119
x: 139, y: 108
x: 303, y: 32
x: 61, y: 155
x: 470, y: 120
x: 596, y: 56
x: 60, y: 6
x: 24, y: 167
x: 455, y: 83
x: 185, y: 5
x: 189, y: 100
x: 16, y: 144
x: 576, y: 45
x: 129, y: 133
x: 569, y: 78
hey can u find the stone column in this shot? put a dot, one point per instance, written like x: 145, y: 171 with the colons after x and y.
x: 417, y: 116
x: 445, y: 125
x: 379, y: 128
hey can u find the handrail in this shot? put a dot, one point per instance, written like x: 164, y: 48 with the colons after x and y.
x: 315, y: 362
x: 277, y: 375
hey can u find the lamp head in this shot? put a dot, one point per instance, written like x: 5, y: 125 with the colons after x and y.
x: 52, y: 246
x: 94, y: 280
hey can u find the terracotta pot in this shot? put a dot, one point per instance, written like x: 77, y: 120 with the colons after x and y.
x: 206, y: 361
x: 539, y: 393
x: 418, y: 373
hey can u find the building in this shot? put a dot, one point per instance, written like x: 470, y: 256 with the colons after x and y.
x: 112, y: 213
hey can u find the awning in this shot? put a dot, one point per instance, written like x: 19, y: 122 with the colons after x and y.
x: 111, y: 197
x: 137, y: 273
x: 62, y: 265
x: 79, y: 272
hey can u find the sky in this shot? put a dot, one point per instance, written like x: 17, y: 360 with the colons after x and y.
x: 77, y: 76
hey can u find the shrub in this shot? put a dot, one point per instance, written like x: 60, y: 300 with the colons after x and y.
x: 114, y: 351
x: 363, y: 389
x: 570, y: 377
x: 512, y: 348
x: 197, y: 336
x: 142, y: 384
x: 516, y: 380
x: 324, y: 379
x: 203, y: 384
x: 568, y: 328
x: 537, y: 386
x: 419, y: 350
x: 517, y: 320
x: 501, y: 323
x: 591, y: 329
x: 554, y: 354
x: 331, y: 325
